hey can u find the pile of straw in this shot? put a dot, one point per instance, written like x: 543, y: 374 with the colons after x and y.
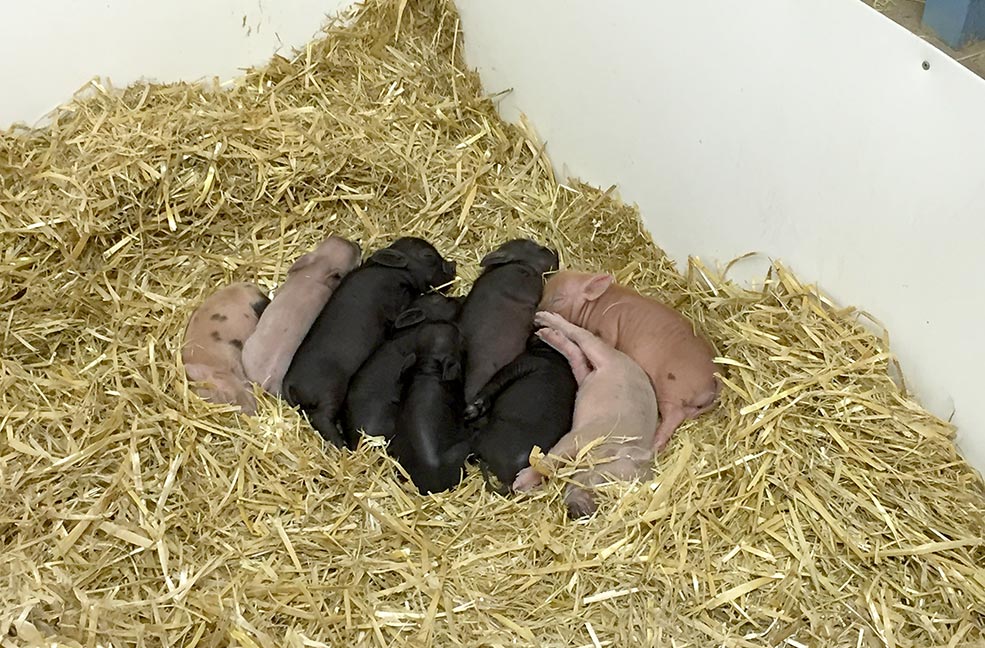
x: 818, y: 506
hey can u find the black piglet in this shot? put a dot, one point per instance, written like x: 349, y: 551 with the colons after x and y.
x: 430, y: 440
x: 498, y: 313
x: 527, y: 403
x: 373, y: 400
x: 354, y: 323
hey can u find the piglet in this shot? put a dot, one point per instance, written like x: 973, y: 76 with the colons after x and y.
x: 527, y: 403
x: 213, y: 348
x: 678, y: 362
x: 497, y: 316
x: 354, y: 323
x: 373, y: 398
x: 615, y: 405
x: 430, y: 441
x: 310, y: 282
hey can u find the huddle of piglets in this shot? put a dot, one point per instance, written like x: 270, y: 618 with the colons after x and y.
x: 615, y: 407
x: 412, y: 391
x: 354, y: 323
x: 310, y: 282
x: 679, y: 364
x: 213, y: 349
x: 373, y: 399
x: 373, y: 349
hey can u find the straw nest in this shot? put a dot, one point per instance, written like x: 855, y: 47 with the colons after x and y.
x: 818, y: 506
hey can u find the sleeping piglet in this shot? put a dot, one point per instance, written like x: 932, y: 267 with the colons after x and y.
x: 373, y: 398
x: 615, y: 405
x: 430, y: 440
x: 497, y: 316
x: 661, y: 340
x: 527, y: 403
x: 213, y: 348
x: 310, y: 282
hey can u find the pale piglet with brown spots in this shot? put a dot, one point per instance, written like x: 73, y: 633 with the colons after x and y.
x: 310, y: 283
x: 214, y: 339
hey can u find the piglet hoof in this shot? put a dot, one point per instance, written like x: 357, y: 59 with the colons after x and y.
x: 527, y: 479
x: 247, y: 403
x: 476, y: 409
x: 660, y: 442
x: 581, y: 503
x: 548, y: 319
x: 331, y: 433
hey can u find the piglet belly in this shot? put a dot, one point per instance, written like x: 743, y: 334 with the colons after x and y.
x: 684, y: 382
x: 266, y: 369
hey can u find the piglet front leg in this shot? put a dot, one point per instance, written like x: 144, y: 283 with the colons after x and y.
x: 563, y: 345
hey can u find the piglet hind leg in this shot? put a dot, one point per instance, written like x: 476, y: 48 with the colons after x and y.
x: 566, y: 448
x: 671, y: 417
x: 325, y: 424
x: 502, y: 379
x: 580, y: 501
x: 246, y: 400
x: 579, y: 495
x: 221, y: 387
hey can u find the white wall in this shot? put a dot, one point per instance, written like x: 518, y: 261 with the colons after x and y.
x: 50, y: 48
x: 805, y: 130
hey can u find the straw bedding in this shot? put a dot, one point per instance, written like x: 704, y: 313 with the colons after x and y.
x: 818, y: 506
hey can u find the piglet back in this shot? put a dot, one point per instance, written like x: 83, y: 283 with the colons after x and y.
x: 214, y: 339
x: 311, y: 281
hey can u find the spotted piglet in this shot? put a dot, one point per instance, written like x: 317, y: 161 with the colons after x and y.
x: 213, y: 350
x: 679, y: 363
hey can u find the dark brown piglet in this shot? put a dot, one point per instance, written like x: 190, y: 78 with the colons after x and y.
x: 213, y: 348
x: 527, y: 403
x: 497, y: 317
x: 430, y: 440
x: 309, y: 285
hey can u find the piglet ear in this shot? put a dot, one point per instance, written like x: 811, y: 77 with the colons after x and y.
x: 390, y: 258
x: 597, y: 285
x: 451, y: 369
x: 409, y: 317
x: 409, y: 361
x: 497, y: 257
